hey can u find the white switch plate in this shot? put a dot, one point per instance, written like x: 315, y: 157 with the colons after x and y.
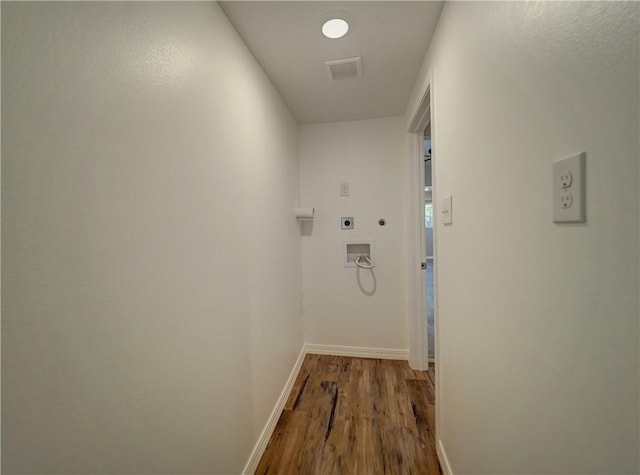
x: 569, y: 189
x: 446, y: 210
x: 344, y: 189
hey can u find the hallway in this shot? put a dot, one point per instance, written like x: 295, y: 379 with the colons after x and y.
x: 177, y: 181
x: 355, y: 416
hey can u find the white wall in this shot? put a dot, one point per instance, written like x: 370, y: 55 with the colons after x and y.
x: 538, y: 322
x: 147, y: 164
x: 369, y: 156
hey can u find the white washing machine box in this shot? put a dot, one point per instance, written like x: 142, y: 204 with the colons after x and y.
x: 353, y: 249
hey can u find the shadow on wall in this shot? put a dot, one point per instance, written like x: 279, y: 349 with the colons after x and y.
x: 306, y: 227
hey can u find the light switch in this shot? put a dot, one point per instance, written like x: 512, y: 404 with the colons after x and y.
x: 446, y: 210
x: 344, y: 189
x: 568, y: 190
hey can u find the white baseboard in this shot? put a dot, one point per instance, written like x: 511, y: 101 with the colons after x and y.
x: 354, y: 351
x: 444, y: 461
x: 263, y: 440
x: 357, y: 351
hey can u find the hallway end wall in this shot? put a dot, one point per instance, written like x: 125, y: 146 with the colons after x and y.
x: 368, y: 154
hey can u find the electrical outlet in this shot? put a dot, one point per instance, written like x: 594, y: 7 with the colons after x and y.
x: 569, y: 189
x: 346, y: 223
x: 566, y: 199
x: 566, y: 179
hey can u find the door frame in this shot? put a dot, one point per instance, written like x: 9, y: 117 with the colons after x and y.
x: 418, y: 341
x: 418, y: 354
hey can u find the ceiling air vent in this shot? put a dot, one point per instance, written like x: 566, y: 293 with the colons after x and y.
x: 347, y: 68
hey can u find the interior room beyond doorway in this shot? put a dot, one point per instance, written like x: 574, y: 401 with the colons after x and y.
x: 428, y: 233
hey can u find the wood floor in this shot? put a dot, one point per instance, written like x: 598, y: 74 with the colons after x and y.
x: 355, y: 416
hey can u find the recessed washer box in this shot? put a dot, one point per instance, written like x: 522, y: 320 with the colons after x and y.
x: 353, y: 249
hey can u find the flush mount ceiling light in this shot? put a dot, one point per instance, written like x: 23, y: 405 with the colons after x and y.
x: 335, y: 28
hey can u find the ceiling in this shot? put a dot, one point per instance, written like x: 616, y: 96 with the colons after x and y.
x: 285, y: 37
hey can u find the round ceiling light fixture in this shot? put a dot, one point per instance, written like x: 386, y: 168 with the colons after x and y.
x: 335, y: 28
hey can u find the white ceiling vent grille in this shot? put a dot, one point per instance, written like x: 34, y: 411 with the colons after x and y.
x: 347, y: 68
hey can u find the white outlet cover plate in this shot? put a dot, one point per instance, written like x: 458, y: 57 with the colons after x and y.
x: 569, y: 201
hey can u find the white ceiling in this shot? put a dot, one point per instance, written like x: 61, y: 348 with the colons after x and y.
x: 392, y: 38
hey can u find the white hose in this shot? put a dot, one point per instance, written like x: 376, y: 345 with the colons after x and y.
x: 367, y: 265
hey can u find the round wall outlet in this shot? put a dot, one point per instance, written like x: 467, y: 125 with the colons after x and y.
x: 346, y: 222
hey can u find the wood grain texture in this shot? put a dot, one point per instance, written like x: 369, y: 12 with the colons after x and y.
x: 355, y: 416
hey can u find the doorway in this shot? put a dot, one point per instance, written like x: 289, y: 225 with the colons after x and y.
x: 423, y: 254
x: 423, y: 221
x: 428, y: 243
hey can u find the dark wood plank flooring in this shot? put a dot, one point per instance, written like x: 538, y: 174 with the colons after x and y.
x: 355, y: 416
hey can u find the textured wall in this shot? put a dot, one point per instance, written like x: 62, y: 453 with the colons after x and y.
x: 140, y: 312
x: 538, y: 322
x: 337, y: 310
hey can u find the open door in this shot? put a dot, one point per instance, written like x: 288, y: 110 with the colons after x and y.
x: 429, y: 258
x: 420, y: 215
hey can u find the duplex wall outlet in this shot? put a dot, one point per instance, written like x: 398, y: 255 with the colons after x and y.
x: 569, y: 189
x: 346, y: 223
